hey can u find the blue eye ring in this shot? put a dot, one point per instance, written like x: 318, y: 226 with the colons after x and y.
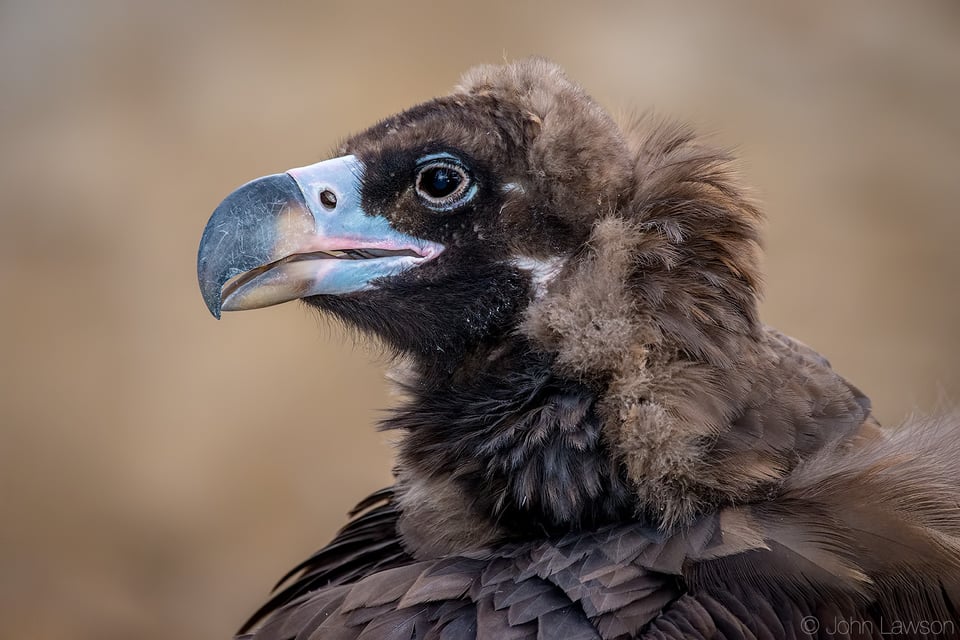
x: 443, y: 183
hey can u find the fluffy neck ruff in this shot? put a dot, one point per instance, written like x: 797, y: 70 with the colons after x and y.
x: 702, y: 404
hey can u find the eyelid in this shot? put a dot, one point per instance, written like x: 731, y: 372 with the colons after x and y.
x: 447, y: 164
x: 449, y: 161
x: 431, y: 157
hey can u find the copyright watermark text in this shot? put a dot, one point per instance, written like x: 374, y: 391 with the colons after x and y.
x: 892, y: 628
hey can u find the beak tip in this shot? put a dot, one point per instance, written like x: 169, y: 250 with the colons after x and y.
x: 211, y: 299
x: 214, y: 309
x: 240, y: 234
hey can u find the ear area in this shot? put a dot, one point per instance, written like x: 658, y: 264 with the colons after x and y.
x: 578, y: 156
x: 532, y: 124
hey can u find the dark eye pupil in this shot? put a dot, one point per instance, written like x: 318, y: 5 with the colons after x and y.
x: 440, y: 181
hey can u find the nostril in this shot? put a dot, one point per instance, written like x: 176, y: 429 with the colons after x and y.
x: 328, y: 199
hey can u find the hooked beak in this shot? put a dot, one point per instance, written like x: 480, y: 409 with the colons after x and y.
x: 297, y: 234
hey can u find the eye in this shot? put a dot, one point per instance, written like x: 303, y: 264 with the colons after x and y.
x: 444, y: 183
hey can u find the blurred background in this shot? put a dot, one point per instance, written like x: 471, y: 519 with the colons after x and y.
x: 160, y: 470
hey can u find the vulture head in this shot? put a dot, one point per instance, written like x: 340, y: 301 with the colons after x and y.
x: 572, y: 303
x: 512, y: 235
x: 434, y: 229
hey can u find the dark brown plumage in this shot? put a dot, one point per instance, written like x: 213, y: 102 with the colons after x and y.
x: 600, y: 439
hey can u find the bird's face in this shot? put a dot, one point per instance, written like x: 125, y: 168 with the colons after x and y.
x: 433, y: 229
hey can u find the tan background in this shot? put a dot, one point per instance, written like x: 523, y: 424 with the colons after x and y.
x: 158, y: 469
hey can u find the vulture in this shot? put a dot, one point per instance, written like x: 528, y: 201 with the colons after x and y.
x: 598, y: 437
